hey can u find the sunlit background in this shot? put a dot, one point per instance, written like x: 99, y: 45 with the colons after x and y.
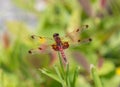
x: 19, y: 19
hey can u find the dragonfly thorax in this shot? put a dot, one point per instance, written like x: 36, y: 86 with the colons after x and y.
x: 57, y: 38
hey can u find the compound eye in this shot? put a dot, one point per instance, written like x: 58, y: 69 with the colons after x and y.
x: 56, y: 34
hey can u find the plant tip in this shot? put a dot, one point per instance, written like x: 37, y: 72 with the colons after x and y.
x: 91, y: 66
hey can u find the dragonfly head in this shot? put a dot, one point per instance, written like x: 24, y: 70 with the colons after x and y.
x: 55, y: 35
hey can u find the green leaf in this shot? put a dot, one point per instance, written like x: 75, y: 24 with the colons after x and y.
x: 59, y: 75
x: 50, y: 74
x: 107, y: 68
x: 76, y: 72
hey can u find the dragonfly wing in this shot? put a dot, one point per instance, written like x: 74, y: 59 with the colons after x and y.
x: 55, y: 47
x: 86, y: 40
x: 82, y: 41
x: 40, y: 39
x: 74, y: 35
x: 65, y: 45
x: 40, y: 49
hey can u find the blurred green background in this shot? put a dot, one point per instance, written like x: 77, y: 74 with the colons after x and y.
x: 22, y: 18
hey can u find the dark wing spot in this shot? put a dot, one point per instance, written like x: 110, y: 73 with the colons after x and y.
x: 30, y: 51
x: 65, y: 45
x: 40, y: 48
x: 87, y: 26
x: 90, y: 39
x: 77, y: 30
x: 55, y: 47
x: 79, y: 40
x: 40, y: 37
x: 32, y: 37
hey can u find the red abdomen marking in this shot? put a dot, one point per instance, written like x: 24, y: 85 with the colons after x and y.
x: 63, y: 54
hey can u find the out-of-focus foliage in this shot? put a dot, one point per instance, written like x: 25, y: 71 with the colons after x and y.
x: 20, y: 69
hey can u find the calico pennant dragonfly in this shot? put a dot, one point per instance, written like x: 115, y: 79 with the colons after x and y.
x: 59, y: 44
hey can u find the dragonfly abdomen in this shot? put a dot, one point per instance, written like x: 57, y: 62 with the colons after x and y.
x: 63, y: 54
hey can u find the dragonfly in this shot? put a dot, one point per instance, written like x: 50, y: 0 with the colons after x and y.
x: 59, y: 44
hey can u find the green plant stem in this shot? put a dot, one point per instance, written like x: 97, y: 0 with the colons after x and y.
x: 95, y: 76
x: 64, y: 74
x: 1, y: 78
x: 75, y: 76
x: 62, y: 65
x: 67, y: 75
